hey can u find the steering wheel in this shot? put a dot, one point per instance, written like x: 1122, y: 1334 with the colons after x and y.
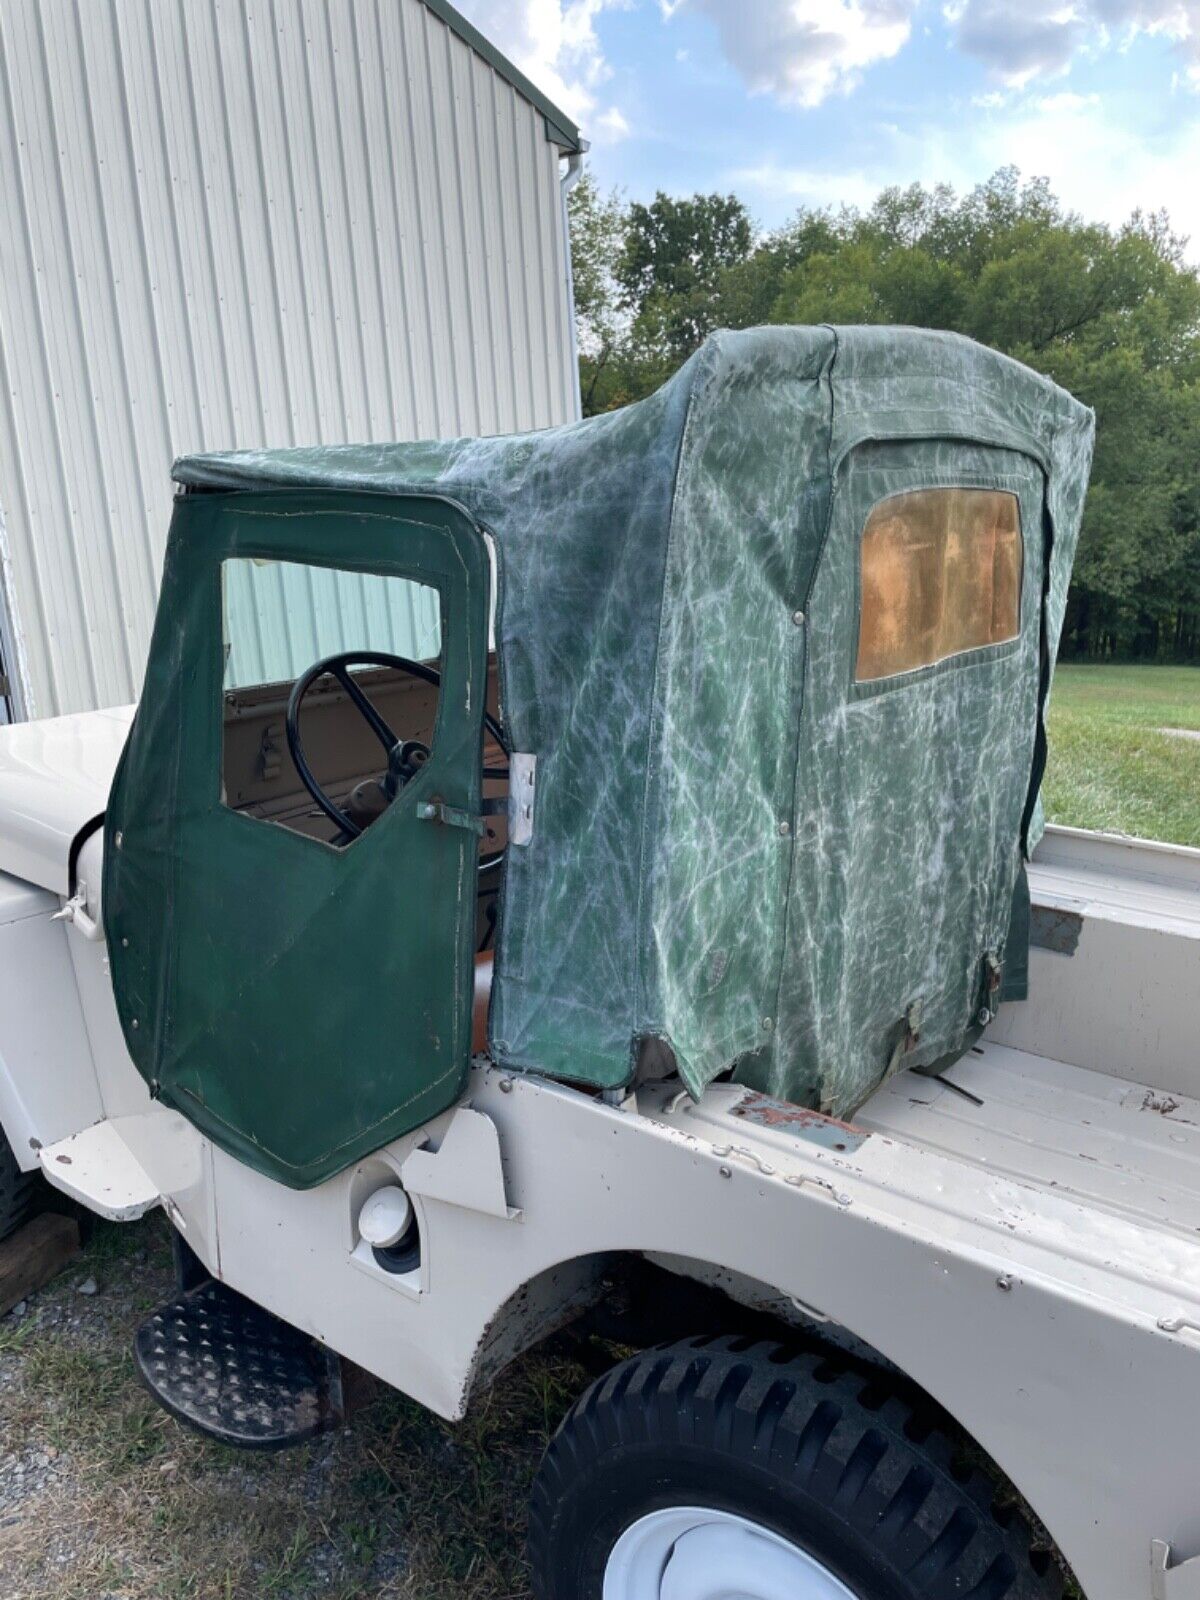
x: 405, y: 757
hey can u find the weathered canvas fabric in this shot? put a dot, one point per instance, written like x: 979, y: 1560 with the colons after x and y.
x: 301, y: 1005
x: 738, y: 850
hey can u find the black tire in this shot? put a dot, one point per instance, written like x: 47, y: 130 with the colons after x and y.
x: 20, y: 1192
x: 831, y: 1460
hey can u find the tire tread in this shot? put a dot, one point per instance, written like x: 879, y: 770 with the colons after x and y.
x: 851, y: 1443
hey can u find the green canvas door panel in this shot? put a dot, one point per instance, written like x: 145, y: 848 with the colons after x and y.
x: 302, y: 1005
x: 908, y: 856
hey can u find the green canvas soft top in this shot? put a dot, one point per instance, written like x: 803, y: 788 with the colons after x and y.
x: 739, y: 852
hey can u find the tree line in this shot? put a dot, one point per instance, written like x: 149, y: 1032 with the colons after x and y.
x: 1112, y: 314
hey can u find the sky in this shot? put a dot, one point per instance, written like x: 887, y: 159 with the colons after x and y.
x: 815, y: 102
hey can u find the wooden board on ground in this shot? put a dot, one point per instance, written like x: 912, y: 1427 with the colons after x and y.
x: 35, y: 1254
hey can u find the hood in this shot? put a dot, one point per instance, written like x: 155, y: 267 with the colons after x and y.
x: 54, y: 778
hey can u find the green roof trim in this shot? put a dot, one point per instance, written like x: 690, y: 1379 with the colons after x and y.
x: 560, y: 129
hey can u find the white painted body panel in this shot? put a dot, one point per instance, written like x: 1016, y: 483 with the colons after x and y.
x: 97, y: 1168
x: 1059, y: 1374
x: 1126, y: 1002
x: 55, y: 776
x: 1033, y: 1262
x: 48, y: 1086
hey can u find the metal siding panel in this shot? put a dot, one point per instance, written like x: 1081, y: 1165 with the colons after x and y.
x: 459, y: 244
x: 246, y: 219
x: 501, y: 393
x: 528, y: 130
x: 232, y: 224
x: 506, y: 114
x: 182, y: 161
x: 159, y: 237
x: 21, y: 353
x: 282, y: 229
x: 282, y: 618
x: 429, y: 217
x: 377, y: 155
x: 411, y: 276
x: 30, y: 323
x: 559, y: 335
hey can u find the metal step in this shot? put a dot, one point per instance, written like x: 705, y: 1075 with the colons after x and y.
x: 235, y: 1373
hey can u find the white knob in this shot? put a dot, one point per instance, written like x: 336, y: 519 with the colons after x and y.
x: 384, y: 1219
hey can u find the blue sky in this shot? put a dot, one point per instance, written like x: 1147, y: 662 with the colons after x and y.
x: 792, y: 102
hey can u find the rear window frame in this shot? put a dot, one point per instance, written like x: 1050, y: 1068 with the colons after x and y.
x: 1019, y: 485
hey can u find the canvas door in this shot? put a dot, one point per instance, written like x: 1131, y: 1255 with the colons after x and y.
x: 302, y: 1004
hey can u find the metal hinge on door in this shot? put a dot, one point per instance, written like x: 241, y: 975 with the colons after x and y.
x: 76, y: 912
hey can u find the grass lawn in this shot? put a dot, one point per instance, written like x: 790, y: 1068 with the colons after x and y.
x: 1110, y: 768
x: 103, y: 1496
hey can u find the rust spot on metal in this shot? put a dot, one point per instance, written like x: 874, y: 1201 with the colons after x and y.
x: 828, y: 1132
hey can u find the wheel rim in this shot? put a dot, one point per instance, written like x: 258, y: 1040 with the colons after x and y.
x: 695, y: 1553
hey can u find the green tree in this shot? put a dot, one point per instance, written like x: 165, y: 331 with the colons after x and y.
x: 602, y: 325
x: 1112, y: 314
x: 674, y: 254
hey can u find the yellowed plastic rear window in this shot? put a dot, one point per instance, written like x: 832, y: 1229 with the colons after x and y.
x: 941, y: 575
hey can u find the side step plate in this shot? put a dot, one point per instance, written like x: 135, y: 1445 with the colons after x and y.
x: 235, y: 1373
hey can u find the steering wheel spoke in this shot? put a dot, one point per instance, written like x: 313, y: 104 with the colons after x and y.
x: 404, y: 758
x: 370, y: 716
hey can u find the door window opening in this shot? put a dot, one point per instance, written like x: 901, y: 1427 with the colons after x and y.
x: 361, y: 728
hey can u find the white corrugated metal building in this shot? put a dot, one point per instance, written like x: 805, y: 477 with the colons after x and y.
x: 228, y: 223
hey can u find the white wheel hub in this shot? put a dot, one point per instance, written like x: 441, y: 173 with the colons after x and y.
x: 693, y: 1553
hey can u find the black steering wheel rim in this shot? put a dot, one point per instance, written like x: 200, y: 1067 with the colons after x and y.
x: 338, y: 667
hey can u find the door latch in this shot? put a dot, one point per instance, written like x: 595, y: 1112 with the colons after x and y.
x: 450, y: 816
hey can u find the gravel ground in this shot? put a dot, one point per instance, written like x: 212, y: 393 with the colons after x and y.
x: 105, y: 1497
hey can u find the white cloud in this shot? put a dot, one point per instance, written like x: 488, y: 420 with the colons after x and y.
x: 610, y: 127
x: 802, y: 51
x: 802, y: 186
x: 555, y: 44
x: 1020, y: 40
x: 1096, y: 165
x: 1066, y: 101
